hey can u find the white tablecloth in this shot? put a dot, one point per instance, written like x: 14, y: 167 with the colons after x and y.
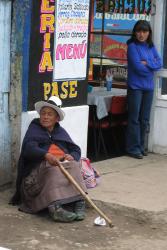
x: 102, y: 99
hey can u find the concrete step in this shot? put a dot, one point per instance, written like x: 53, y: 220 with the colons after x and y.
x: 133, y: 187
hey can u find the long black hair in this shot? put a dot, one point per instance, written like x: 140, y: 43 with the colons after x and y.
x: 141, y: 25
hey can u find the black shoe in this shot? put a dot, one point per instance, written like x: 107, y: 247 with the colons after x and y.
x: 137, y: 156
x: 62, y: 215
x: 145, y: 153
x: 80, y: 210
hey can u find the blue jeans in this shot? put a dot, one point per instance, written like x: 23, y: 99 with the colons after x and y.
x: 139, y: 108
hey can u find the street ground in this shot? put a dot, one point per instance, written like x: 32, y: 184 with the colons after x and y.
x: 20, y: 231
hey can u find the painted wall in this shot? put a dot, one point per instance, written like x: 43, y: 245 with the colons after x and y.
x: 158, y: 135
x: 75, y: 122
x: 5, y: 131
x: 21, y: 10
x: 57, y: 52
x: 160, y: 131
x: 158, y: 121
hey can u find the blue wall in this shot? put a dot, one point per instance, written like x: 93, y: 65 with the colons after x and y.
x: 22, y: 26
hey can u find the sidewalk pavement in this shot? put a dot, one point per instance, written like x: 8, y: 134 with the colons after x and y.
x: 135, y: 186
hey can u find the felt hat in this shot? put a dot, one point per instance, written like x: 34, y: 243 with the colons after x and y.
x: 53, y: 102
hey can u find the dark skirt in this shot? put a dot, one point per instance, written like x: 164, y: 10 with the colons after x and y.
x: 47, y: 184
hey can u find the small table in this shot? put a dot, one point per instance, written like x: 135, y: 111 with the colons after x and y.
x: 102, y: 98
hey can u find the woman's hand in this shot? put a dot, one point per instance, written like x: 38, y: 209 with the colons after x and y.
x: 68, y: 157
x: 51, y: 159
x: 144, y: 62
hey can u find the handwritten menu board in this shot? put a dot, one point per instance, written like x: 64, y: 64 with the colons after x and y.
x: 71, y: 38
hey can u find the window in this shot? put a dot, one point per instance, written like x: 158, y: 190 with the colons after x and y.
x: 111, y: 25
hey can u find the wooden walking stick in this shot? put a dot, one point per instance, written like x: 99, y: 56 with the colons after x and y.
x: 71, y: 179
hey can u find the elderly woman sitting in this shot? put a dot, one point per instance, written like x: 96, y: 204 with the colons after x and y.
x: 40, y: 183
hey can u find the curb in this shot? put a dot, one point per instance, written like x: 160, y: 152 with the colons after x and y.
x: 137, y: 214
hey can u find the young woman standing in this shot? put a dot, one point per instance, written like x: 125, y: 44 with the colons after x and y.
x: 143, y: 61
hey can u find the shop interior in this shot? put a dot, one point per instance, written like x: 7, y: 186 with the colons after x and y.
x: 111, y: 26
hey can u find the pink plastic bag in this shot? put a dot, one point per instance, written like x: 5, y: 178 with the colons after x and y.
x: 90, y: 175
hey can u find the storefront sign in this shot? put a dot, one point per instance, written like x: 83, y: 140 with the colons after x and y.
x: 124, y: 6
x: 58, y: 51
x: 117, y: 21
x: 121, y: 14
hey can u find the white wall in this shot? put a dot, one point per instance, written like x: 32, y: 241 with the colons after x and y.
x: 158, y: 135
x: 160, y: 131
x: 158, y: 121
x: 75, y: 122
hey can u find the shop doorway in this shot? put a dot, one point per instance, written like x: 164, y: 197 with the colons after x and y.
x: 110, y: 28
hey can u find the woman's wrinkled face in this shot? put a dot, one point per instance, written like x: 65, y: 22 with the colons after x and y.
x: 142, y: 35
x: 48, y: 118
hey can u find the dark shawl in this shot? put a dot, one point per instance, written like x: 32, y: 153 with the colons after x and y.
x: 34, y: 147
